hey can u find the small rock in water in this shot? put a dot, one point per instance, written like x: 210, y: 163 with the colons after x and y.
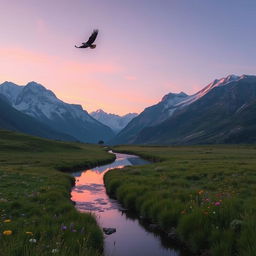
x: 103, y: 203
x: 122, y: 209
x: 109, y: 231
x: 173, y: 234
x: 153, y: 226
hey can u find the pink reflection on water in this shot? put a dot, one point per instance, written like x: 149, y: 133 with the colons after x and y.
x: 89, y: 192
x: 130, y: 238
x: 90, y: 188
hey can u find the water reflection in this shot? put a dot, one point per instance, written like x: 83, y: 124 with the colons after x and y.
x: 133, y: 237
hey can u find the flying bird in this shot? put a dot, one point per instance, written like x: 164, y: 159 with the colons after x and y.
x: 90, y: 41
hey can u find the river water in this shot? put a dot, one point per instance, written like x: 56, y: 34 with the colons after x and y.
x: 132, y: 236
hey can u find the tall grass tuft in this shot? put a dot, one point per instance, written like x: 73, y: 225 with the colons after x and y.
x: 207, y: 193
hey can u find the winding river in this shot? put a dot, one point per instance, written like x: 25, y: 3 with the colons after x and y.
x: 132, y: 236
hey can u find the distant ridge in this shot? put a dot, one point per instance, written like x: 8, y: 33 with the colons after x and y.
x: 115, y: 122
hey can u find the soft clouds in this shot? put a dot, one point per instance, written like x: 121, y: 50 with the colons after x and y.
x: 20, y: 55
x: 131, y: 78
x: 24, y: 56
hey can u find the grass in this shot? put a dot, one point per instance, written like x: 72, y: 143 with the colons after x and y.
x: 206, y: 192
x: 35, y: 206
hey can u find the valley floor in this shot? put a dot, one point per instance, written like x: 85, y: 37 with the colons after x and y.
x: 204, y: 195
x: 37, y: 216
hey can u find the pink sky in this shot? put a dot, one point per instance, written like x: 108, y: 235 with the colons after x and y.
x: 144, y: 50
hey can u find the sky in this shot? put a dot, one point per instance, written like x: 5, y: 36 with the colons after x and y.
x: 145, y: 48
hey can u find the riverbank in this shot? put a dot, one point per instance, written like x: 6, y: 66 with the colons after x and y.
x: 128, y: 231
x: 204, y: 195
x: 37, y: 216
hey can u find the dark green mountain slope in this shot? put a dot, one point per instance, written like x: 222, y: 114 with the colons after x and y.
x: 226, y: 114
x: 12, y: 119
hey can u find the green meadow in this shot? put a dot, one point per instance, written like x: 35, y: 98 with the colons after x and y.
x: 37, y: 216
x: 205, y: 195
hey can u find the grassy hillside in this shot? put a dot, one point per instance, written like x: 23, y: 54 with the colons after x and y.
x: 36, y: 214
x: 206, y: 192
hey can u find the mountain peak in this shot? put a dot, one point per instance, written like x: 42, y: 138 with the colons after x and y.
x: 224, y: 80
x: 7, y: 83
x: 174, y: 97
x: 99, y: 111
x: 232, y: 77
x: 115, y: 122
x: 38, y: 90
x: 10, y: 90
x: 35, y: 86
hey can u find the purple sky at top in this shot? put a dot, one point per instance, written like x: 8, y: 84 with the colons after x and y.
x: 145, y: 48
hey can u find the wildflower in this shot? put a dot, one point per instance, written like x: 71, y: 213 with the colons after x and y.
x: 200, y: 192
x: 63, y: 227
x: 55, y: 250
x: 7, y: 221
x: 32, y: 240
x: 7, y: 232
x: 217, y: 204
x: 29, y: 233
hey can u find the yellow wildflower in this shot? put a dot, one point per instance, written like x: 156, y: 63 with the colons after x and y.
x: 29, y: 233
x: 7, y: 221
x: 7, y: 232
x: 200, y: 192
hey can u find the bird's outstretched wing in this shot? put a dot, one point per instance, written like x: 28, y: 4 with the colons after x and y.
x: 92, y: 37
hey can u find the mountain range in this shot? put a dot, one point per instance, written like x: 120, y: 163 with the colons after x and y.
x: 222, y: 112
x: 115, y: 122
x: 35, y: 101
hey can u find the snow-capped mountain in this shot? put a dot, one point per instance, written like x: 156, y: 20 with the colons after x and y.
x: 36, y: 101
x: 216, y: 83
x: 150, y: 116
x: 179, y: 118
x: 115, y: 122
x: 14, y: 120
x: 181, y: 100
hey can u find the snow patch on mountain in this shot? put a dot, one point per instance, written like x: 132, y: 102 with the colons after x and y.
x: 172, y: 99
x: 10, y: 90
x: 216, y: 83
